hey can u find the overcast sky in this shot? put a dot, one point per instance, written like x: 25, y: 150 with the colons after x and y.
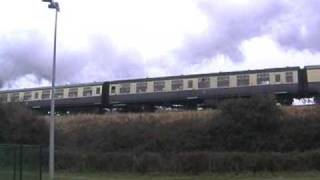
x: 101, y: 40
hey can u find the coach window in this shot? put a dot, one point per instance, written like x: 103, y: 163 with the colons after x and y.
x: 45, y: 94
x: 113, y: 89
x: 277, y: 78
x: 289, y: 77
x: 125, y: 88
x: 204, y: 82
x: 87, y: 91
x: 177, y: 85
x: 263, y: 78
x: 73, y: 93
x: 3, y: 98
x: 36, y: 95
x: 98, y: 90
x: 27, y: 96
x: 158, y: 86
x: 15, y: 97
x: 142, y: 87
x: 58, y: 94
x: 223, y: 81
x: 190, y: 83
x: 243, y: 80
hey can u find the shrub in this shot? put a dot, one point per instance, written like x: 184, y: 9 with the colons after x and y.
x: 188, y: 162
x: 252, y: 124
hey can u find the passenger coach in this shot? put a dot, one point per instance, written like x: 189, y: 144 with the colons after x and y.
x: 207, y: 89
x: 68, y: 97
x: 313, y: 80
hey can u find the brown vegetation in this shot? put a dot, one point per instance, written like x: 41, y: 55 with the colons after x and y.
x: 241, y: 135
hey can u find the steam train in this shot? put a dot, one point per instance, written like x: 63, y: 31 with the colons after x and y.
x: 189, y: 91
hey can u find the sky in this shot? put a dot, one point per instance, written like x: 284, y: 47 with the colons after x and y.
x: 123, y: 39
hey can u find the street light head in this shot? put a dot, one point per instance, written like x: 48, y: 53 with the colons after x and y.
x: 49, y: 1
x: 54, y: 5
x: 57, y: 6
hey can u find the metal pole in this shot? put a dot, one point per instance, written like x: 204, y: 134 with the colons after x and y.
x: 52, y: 119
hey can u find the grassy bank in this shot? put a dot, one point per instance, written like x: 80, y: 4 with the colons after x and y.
x: 249, y: 176
x: 241, y: 135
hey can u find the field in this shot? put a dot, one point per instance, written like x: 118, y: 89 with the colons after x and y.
x: 259, y: 176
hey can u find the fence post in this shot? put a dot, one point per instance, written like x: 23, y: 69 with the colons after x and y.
x: 14, y: 162
x: 40, y: 161
x: 210, y: 163
x: 20, y: 163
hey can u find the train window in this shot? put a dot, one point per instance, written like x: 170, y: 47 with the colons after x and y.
x: 3, y: 98
x: 223, y: 81
x: 289, y: 77
x: 158, y: 86
x: 243, y: 80
x: 87, y: 91
x: 177, y: 85
x: 46, y: 94
x: 73, y: 92
x: 113, y: 89
x: 58, y: 93
x: 204, y: 82
x: 27, y: 96
x: 142, y: 87
x: 263, y: 78
x: 15, y: 97
x: 125, y: 88
x: 190, y: 83
x: 36, y: 95
x: 98, y: 90
x: 277, y: 78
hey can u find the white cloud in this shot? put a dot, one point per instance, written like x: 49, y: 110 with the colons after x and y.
x: 259, y: 53
x: 29, y: 80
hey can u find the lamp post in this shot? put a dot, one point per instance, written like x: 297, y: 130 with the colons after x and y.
x: 53, y: 5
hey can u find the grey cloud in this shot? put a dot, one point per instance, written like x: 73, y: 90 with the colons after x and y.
x: 23, y: 55
x: 112, y: 63
x: 299, y: 28
x: 228, y: 27
x: 293, y: 24
x: 32, y: 54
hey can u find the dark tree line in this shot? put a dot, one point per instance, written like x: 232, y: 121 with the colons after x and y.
x: 20, y: 126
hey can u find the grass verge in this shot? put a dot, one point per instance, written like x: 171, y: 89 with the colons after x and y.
x: 230, y: 176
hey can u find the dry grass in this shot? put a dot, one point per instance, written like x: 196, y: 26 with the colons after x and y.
x: 300, y: 112
x: 163, y: 117
x: 231, y: 176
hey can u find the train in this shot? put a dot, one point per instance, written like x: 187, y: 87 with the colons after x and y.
x: 187, y: 91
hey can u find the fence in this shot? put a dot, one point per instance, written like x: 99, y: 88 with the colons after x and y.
x: 187, y: 162
x: 20, y: 162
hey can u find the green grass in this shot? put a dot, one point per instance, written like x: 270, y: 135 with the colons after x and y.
x: 250, y: 176
x: 5, y: 174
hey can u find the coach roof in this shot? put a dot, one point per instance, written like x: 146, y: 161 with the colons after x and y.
x: 49, y: 87
x: 208, y: 74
